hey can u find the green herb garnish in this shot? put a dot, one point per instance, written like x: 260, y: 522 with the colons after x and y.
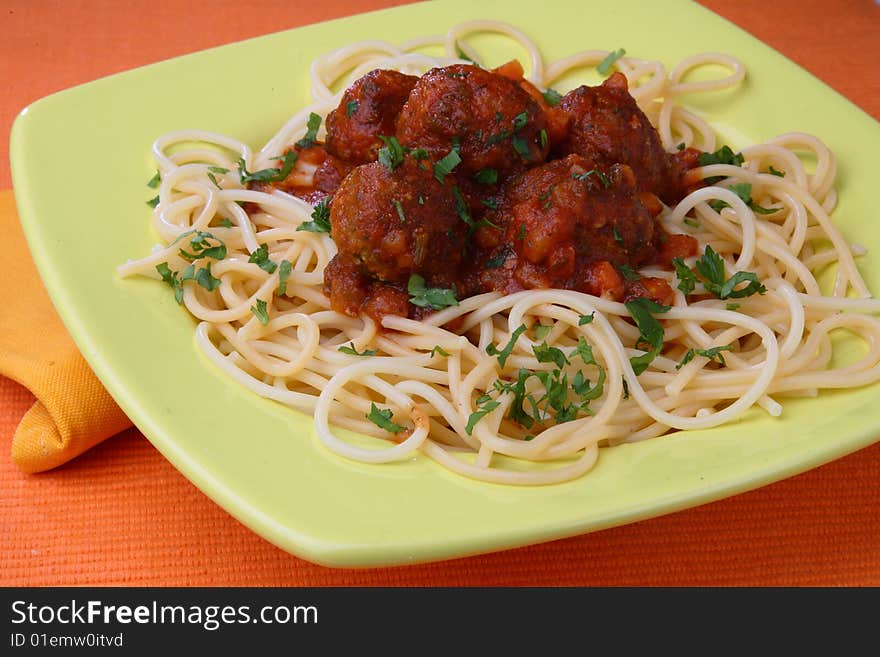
x: 605, y: 65
x: 171, y: 278
x: 381, y: 417
x: 311, y: 135
x: 260, y: 257
x: 202, y: 247
x: 713, y: 353
x: 320, y: 218
x: 710, y: 266
x: 284, y: 270
x: 351, y: 351
x: 399, y: 209
x: 628, y: 273
x: 552, y: 97
x: 650, y: 330
x: 486, y: 176
x: 435, y: 298
x: 446, y: 164
x: 260, y: 312
x: 268, y: 175
x: 504, y: 353
x: 485, y: 405
x: 391, y: 154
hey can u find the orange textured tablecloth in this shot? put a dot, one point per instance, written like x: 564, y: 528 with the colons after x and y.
x: 121, y: 515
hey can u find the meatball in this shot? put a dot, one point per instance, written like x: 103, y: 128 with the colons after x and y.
x: 607, y: 127
x: 492, y: 121
x: 368, y: 109
x: 571, y: 225
x: 397, y: 223
x: 330, y: 174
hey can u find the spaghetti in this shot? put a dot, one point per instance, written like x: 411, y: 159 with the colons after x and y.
x: 521, y: 388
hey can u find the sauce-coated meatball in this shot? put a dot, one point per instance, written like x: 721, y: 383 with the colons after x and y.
x: 607, y: 127
x: 491, y: 120
x: 565, y: 217
x: 368, y: 109
x: 397, y: 223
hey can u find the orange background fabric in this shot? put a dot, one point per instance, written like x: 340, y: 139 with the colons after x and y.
x: 122, y: 515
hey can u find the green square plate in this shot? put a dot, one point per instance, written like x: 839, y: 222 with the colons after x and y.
x: 81, y: 159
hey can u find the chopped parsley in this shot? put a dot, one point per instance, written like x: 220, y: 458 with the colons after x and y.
x: 154, y: 181
x: 203, y: 277
x: 713, y: 353
x: 504, y: 353
x: 351, y: 351
x: 642, y: 311
x: 260, y: 312
x: 744, y: 191
x: 439, y: 350
x: 497, y: 138
x: 485, y: 405
x: 520, y: 121
x: 381, y: 417
x: 710, y: 267
x: 311, y: 135
x: 486, y: 176
x: 153, y: 202
x: 171, y: 278
x: 260, y: 257
x: 225, y: 222
x: 542, y: 331
x: 399, y: 208
x: 775, y: 172
x: 547, y: 354
x: 562, y: 401
x: 284, y: 270
x: 687, y: 280
x: 520, y: 145
x: 628, y: 273
x: 605, y: 65
x: 446, y: 164
x: 268, y: 175
x: 391, y: 154
x: 552, y: 97
x: 435, y: 298
x: 320, y: 218
x: 202, y: 246
x: 586, y: 319
x: 351, y: 107
x: 723, y: 155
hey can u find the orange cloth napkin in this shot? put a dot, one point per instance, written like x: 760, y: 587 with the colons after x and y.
x: 73, y: 411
